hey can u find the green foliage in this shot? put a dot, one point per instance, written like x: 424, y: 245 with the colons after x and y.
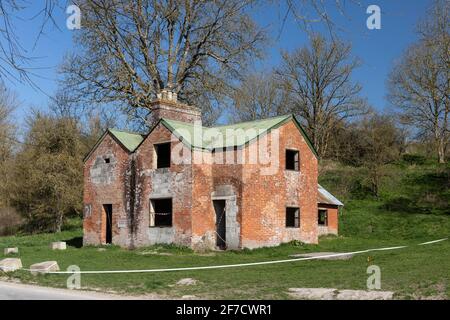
x: 48, y: 173
x: 414, y: 159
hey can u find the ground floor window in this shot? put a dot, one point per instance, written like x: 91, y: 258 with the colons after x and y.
x: 323, y: 217
x: 292, y: 217
x: 161, y: 212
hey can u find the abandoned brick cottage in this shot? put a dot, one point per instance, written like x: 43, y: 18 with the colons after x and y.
x: 147, y: 189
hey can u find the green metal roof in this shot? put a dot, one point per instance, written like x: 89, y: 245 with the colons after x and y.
x: 222, y: 136
x: 128, y: 139
x: 209, y: 138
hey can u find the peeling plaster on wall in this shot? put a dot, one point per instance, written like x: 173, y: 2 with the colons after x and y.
x: 233, y: 228
x: 165, y: 183
x: 293, y: 182
x: 204, y: 242
x: 103, y: 173
x: 161, y: 235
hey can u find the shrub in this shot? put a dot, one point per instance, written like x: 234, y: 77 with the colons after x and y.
x: 10, y: 221
x: 416, y: 159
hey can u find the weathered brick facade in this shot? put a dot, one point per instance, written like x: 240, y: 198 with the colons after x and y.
x: 255, y: 202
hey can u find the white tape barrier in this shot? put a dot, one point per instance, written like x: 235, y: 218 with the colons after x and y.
x: 240, y: 264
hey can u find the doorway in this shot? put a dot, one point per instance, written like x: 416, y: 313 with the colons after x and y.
x: 219, y: 208
x: 107, y: 208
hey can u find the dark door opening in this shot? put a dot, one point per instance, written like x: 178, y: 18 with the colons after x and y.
x: 108, y: 215
x: 219, y: 207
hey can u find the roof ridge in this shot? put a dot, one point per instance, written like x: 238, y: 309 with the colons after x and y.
x: 125, y: 131
x: 250, y: 121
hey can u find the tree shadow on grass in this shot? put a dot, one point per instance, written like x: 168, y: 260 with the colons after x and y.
x: 76, y: 242
x: 404, y: 205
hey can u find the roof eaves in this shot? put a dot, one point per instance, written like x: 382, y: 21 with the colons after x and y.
x: 305, y: 136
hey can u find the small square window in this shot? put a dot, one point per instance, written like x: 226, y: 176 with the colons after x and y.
x: 323, y: 217
x: 292, y: 160
x: 292, y: 217
x: 162, y: 155
x: 107, y: 160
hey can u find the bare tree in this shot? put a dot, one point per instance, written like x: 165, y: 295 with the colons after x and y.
x: 14, y: 58
x: 131, y: 50
x: 420, y: 82
x: 8, y: 102
x: 259, y: 96
x: 322, y: 93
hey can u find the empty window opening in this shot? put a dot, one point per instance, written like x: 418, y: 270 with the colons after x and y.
x: 107, y: 211
x: 161, y: 213
x: 162, y: 155
x: 107, y: 160
x: 292, y: 217
x: 323, y: 217
x: 292, y: 160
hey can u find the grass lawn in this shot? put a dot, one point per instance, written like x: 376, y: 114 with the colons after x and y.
x: 412, y: 273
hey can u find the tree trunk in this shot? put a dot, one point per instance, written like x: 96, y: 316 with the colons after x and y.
x: 59, y: 222
x: 441, y: 150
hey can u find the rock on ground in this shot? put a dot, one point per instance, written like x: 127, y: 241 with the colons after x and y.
x: 44, y: 267
x: 11, y: 250
x: 335, y: 294
x: 187, y: 282
x: 313, y: 293
x: 10, y: 264
x: 60, y: 245
x: 364, y: 295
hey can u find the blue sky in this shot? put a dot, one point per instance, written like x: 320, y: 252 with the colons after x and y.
x: 378, y: 49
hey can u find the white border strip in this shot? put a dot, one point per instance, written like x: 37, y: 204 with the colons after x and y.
x: 237, y: 265
x: 430, y: 242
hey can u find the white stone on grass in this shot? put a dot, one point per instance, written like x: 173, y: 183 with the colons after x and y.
x: 44, y: 267
x: 187, y: 282
x: 313, y: 293
x: 60, y: 245
x: 364, y: 295
x: 10, y: 264
x: 11, y: 250
x: 335, y: 294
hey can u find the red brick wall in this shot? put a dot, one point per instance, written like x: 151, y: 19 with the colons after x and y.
x: 265, y: 197
x: 203, y: 220
x: 99, y: 191
x: 261, y: 199
x: 175, y: 111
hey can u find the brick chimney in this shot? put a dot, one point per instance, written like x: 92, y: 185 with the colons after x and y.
x: 167, y: 106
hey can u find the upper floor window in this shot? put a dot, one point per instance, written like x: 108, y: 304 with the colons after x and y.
x: 162, y: 151
x: 292, y: 160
